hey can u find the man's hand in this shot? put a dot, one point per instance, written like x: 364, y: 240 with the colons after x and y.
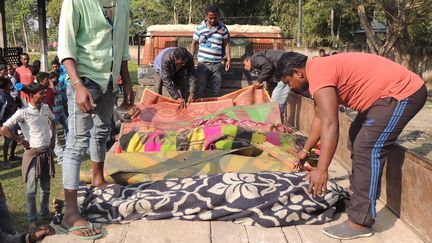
x: 317, y: 182
x: 132, y: 112
x: 41, y: 232
x: 129, y: 98
x: 191, y: 98
x: 182, y: 103
x: 84, y: 98
x: 227, y: 65
x: 300, y: 156
x: 24, y: 143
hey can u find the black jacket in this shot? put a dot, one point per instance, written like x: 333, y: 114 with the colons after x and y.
x: 265, y: 63
x: 168, y: 71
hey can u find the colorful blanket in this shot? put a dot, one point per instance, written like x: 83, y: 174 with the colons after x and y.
x: 204, y: 137
x: 159, y: 109
x: 268, y: 199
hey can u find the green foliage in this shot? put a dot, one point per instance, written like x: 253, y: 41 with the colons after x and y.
x: 53, y: 13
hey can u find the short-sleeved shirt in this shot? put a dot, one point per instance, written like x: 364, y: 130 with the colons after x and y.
x: 210, y: 40
x: 25, y: 76
x: 96, y: 44
x: 360, y: 78
x: 34, y: 123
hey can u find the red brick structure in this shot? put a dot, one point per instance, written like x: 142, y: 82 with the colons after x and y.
x: 252, y: 37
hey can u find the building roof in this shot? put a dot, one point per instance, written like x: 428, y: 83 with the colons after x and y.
x: 232, y: 28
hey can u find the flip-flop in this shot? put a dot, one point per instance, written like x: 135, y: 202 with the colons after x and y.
x: 60, y: 229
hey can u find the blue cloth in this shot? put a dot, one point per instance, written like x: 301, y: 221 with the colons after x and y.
x: 158, y: 59
x: 280, y: 95
x: 62, y: 78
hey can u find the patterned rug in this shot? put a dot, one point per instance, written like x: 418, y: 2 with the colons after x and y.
x: 268, y: 199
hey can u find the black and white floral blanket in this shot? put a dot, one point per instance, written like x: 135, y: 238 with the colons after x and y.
x: 267, y: 199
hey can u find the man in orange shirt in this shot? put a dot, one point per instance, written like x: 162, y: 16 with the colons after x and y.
x: 386, y: 95
x: 24, y: 75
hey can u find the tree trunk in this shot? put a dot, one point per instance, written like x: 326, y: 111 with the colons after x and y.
x: 190, y: 12
x: 300, y: 20
x: 372, y: 40
x: 338, y: 30
x: 332, y: 27
x: 43, y: 34
x: 25, y: 34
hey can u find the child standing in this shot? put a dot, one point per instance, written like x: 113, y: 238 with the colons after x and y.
x: 43, y: 79
x: 37, y: 123
x: 59, y: 110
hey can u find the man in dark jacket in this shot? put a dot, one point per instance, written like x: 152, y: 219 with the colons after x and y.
x: 265, y: 62
x: 175, y: 66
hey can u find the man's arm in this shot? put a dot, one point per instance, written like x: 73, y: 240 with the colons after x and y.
x: 51, y: 118
x: 11, y: 122
x: 193, y: 47
x: 84, y: 98
x: 130, y: 98
x: 327, y: 102
x: 265, y: 68
x: 167, y: 78
x: 227, y: 53
x: 312, y: 139
x: 193, y: 80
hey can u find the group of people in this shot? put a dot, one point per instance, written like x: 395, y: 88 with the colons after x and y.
x: 32, y: 103
x: 93, y: 48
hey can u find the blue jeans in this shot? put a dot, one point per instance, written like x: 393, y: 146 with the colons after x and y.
x: 32, y: 190
x: 280, y: 95
x: 86, y: 130
x: 62, y: 119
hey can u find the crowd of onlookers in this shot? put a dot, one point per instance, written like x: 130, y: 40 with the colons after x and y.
x: 13, y: 79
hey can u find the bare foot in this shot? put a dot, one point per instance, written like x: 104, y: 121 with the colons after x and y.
x: 70, y: 220
x: 99, y: 183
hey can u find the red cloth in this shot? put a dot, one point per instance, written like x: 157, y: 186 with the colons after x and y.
x: 50, y: 97
x: 361, y: 78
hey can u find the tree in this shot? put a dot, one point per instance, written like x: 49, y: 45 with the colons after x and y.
x: 398, y: 15
x: 53, y: 13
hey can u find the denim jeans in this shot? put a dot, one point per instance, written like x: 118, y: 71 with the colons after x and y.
x: 32, y: 190
x: 280, y: 95
x: 86, y: 130
x: 59, y: 148
x: 209, y: 77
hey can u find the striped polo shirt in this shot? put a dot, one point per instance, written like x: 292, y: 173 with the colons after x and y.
x: 210, y: 41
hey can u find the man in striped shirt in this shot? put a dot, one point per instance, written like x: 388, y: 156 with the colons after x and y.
x: 213, y: 41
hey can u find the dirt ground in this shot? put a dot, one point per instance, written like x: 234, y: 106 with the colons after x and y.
x: 417, y: 135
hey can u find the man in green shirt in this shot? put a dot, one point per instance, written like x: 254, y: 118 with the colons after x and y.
x: 93, y: 47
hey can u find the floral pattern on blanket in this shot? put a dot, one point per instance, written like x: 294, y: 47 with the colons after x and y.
x: 267, y: 199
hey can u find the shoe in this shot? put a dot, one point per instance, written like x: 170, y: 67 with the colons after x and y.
x: 344, y: 231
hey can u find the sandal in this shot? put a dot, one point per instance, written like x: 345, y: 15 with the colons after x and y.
x: 60, y: 229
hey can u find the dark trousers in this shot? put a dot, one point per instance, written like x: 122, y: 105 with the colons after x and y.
x: 209, y: 79
x: 371, y: 134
